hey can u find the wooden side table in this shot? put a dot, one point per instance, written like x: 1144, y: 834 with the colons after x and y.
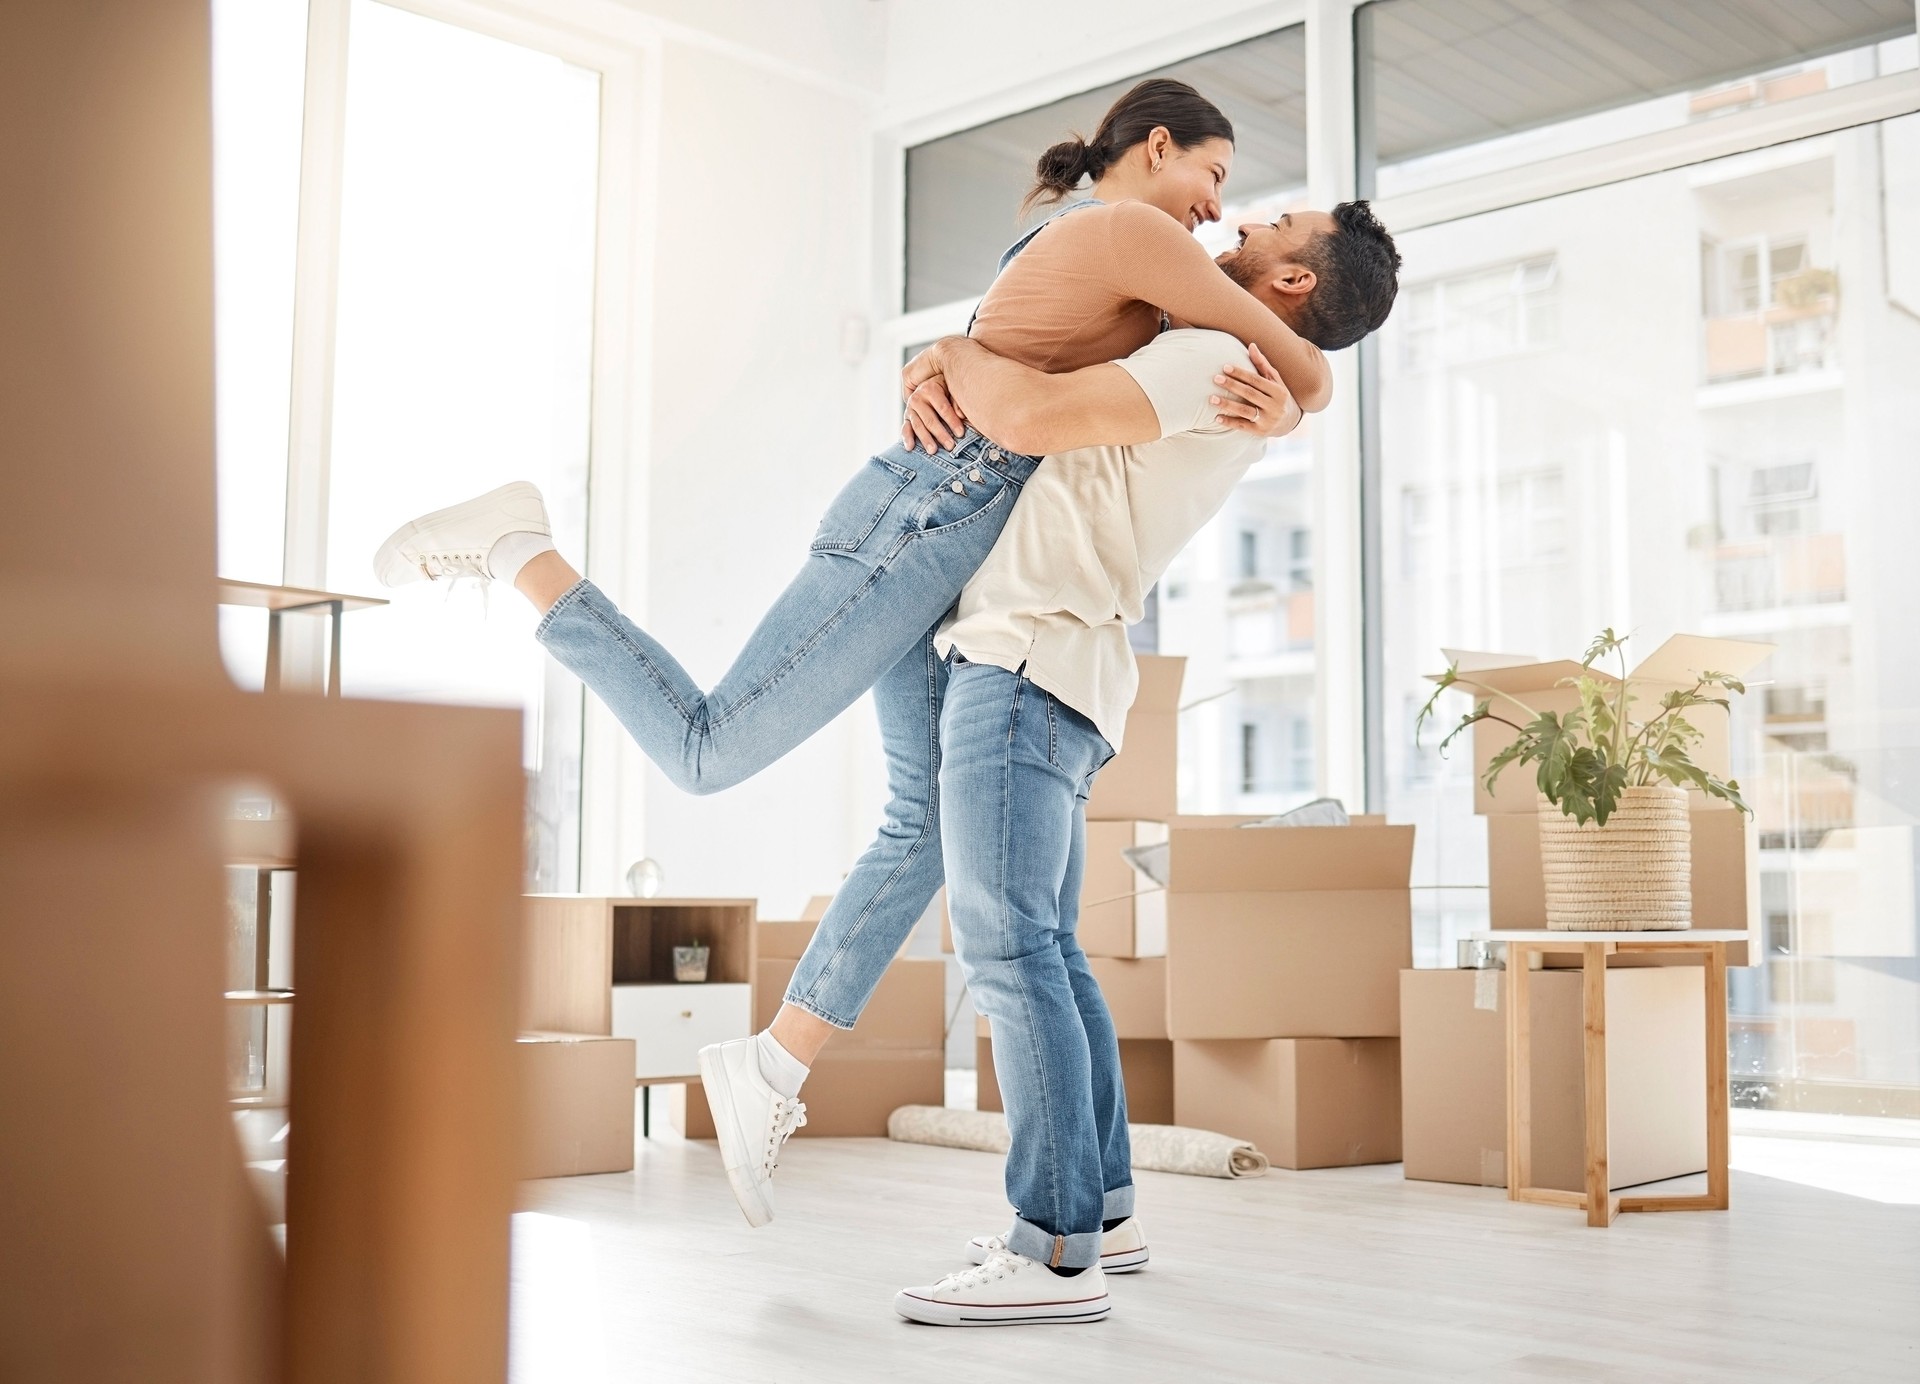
x: 1598, y: 1200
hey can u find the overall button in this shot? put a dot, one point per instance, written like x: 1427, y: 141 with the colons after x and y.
x: 993, y: 454
x: 974, y: 475
x: 959, y: 489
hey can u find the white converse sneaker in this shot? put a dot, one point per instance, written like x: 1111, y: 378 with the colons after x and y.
x: 454, y: 542
x: 751, y: 1119
x: 1122, y: 1249
x: 1007, y: 1290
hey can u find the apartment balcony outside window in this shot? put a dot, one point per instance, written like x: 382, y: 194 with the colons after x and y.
x: 1780, y: 572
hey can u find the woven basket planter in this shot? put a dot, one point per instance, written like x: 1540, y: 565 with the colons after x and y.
x: 1632, y: 875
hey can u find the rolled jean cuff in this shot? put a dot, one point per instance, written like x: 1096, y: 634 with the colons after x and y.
x: 568, y: 598
x: 1055, y: 1251
x: 800, y: 1002
x: 1117, y: 1205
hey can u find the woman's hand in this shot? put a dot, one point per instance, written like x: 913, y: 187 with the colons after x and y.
x: 932, y: 420
x: 1255, y: 401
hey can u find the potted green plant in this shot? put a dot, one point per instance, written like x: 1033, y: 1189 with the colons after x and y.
x: 1612, y: 776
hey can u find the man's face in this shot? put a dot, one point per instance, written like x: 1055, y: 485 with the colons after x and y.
x: 1266, y: 246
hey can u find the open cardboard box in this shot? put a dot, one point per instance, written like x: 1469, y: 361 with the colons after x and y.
x: 1141, y: 783
x: 1288, y: 932
x: 1118, y: 916
x: 1725, y: 878
x: 1454, y: 1091
x: 1675, y: 664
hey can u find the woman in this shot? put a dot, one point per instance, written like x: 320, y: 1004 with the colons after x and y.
x: 890, y: 558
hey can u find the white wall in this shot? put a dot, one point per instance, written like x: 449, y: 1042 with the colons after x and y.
x: 941, y: 55
x: 761, y: 254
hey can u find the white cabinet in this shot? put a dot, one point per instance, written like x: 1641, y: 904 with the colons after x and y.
x: 670, y: 1023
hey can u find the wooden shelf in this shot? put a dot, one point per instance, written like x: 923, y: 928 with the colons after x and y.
x: 245, y: 997
x: 576, y: 948
x: 264, y: 597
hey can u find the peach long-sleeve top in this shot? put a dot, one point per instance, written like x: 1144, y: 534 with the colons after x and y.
x: 1090, y: 287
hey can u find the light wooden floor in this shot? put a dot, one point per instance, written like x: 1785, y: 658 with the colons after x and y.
x: 1340, y: 1275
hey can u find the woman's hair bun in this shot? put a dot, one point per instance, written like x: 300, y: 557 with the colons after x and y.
x: 1060, y: 170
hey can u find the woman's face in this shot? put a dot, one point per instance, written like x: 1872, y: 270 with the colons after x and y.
x: 1188, y: 182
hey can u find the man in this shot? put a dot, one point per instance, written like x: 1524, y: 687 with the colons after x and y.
x: 1042, y: 677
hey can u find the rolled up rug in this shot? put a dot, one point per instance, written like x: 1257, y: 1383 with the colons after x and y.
x: 1197, y: 1152
x: 1156, y: 1148
x: 985, y: 1130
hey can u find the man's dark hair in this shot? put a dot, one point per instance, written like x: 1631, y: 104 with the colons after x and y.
x: 1356, y: 275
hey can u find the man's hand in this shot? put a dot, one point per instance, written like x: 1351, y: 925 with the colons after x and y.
x: 1255, y: 402
x: 932, y: 420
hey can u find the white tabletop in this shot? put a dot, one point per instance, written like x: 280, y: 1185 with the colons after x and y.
x: 1675, y: 938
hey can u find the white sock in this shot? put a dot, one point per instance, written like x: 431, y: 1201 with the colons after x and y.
x: 512, y: 551
x: 783, y: 1071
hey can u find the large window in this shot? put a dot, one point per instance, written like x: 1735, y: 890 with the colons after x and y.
x: 448, y: 290
x: 964, y: 190
x: 1458, y: 88
x: 1681, y: 402
x: 1239, y: 602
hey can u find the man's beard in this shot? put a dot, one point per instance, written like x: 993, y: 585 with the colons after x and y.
x: 1243, y: 266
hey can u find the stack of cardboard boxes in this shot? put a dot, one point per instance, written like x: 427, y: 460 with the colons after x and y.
x: 1453, y: 1034
x: 1254, y: 994
x: 895, y: 1055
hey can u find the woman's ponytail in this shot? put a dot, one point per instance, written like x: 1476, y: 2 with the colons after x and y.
x: 1157, y: 103
x: 1060, y: 170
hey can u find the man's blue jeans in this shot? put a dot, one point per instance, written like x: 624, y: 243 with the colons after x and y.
x: 889, y: 560
x: 1016, y: 767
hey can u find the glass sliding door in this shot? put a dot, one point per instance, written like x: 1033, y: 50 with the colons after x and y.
x: 462, y: 362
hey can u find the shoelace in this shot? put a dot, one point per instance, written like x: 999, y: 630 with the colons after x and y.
x: 998, y: 1264
x: 434, y: 566
x: 788, y: 1115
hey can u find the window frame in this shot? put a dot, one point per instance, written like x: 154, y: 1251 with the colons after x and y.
x: 612, y: 788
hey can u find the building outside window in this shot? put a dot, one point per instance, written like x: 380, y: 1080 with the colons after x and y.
x: 1713, y: 435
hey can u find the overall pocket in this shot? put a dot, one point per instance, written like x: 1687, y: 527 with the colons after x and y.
x: 860, y: 506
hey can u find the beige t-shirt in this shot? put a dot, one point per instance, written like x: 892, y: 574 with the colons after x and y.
x: 1093, y: 531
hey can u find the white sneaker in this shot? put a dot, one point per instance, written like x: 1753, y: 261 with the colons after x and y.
x: 1122, y: 1249
x: 1007, y: 1290
x: 751, y: 1119
x: 454, y: 542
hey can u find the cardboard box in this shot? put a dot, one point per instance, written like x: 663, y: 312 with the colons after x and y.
x: 1136, y: 994
x: 1288, y: 932
x: 576, y: 1093
x: 1675, y: 664
x: 1453, y: 1092
x: 1141, y: 783
x: 1726, y: 877
x: 896, y: 1055
x: 784, y: 941
x: 848, y: 1095
x: 1122, y: 913
x: 907, y: 1012
x: 1146, y: 1071
x: 1304, y: 1102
